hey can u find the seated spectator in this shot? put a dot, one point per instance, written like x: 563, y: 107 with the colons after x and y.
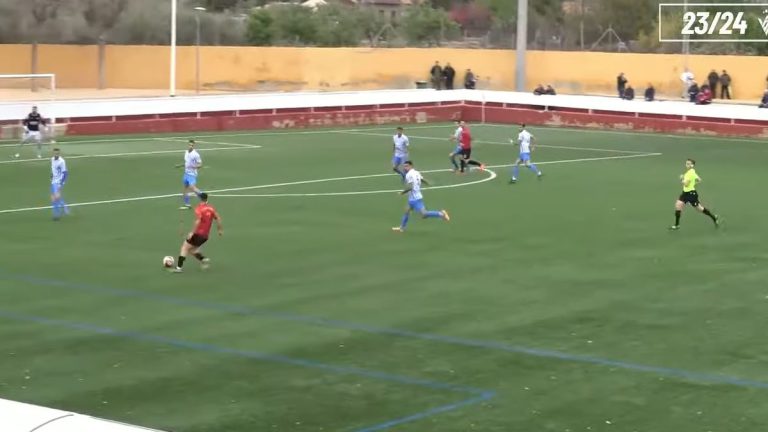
x: 550, y: 90
x: 650, y: 93
x: 629, y: 93
x: 764, y: 100
x: 705, y: 96
x: 470, y: 81
x: 539, y: 90
x: 693, y: 91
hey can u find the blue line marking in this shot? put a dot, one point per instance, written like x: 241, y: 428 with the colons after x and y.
x: 429, y: 413
x: 479, y: 394
x: 700, y: 377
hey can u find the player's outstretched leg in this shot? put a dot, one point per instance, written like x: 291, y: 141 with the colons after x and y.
x: 453, y: 161
x: 204, y: 261
x: 442, y: 214
x: 403, y: 222
x: 534, y: 169
x: 715, y: 218
x: 396, y: 169
x: 477, y: 164
x: 185, y: 249
x: 515, y: 172
x: 20, y: 147
x: 678, y: 212
x: 39, y: 144
x: 56, y: 207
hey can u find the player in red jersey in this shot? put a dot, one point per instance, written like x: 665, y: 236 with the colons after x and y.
x: 205, y: 214
x: 465, y: 140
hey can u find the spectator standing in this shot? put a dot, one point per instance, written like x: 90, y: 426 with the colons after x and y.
x: 650, y: 93
x: 469, y: 80
x: 713, y: 79
x: 436, y: 73
x: 629, y: 93
x: 621, y: 83
x: 725, y: 85
x: 688, y: 80
x: 449, y: 74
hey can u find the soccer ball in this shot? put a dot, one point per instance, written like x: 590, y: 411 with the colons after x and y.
x: 168, y: 262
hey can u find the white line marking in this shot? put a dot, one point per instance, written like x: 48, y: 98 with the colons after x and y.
x: 323, y: 194
x: 108, y: 155
x: 185, y: 141
x: 508, y: 144
x: 302, y: 182
x: 287, y: 132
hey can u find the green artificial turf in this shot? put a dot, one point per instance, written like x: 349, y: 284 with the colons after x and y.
x: 556, y: 305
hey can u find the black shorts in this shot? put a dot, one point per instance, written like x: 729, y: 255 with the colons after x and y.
x: 466, y: 154
x: 197, y: 240
x: 690, y: 197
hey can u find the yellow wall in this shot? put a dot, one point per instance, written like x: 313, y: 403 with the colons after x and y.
x: 272, y: 68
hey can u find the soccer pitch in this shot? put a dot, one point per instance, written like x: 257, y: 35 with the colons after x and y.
x: 556, y: 305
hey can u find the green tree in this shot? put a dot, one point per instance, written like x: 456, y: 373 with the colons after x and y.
x: 627, y: 17
x: 221, y: 5
x: 504, y: 11
x: 423, y: 24
x: 372, y: 24
x: 294, y: 24
x: 260, y: 27
x: 338, y: 25
x: 102, y: 15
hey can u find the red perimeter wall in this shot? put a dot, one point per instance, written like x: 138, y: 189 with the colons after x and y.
x: 410, y: 113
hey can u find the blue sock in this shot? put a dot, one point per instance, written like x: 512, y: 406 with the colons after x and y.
x: 56, y: 208
x: 455, y: 164
x: 515, y: 171
x: 533, y: 168
x: 186, y: 198
x: 404, y: 222
x: 63, y: 205
x: 433, y: 214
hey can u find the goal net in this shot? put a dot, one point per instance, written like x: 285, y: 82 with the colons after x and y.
x: 32, y: 89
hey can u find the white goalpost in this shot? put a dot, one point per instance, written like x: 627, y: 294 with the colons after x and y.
x: 37, y: 89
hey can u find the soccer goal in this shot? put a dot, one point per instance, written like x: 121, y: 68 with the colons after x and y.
x: 34, y: 89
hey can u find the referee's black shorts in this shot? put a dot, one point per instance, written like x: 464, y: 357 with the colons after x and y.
x: 690, y: 197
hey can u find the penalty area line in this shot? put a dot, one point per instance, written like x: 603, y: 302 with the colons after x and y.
x: 303, y: 182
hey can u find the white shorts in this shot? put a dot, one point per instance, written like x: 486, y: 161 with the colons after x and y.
x: 33, y: 136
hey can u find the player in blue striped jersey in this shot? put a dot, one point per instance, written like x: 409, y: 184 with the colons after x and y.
x: 59, y: 175
x: 456, y: 137
x: 526, y: 142
x: 192, y: 163
x: 413, y: 180
x: 400, y: 145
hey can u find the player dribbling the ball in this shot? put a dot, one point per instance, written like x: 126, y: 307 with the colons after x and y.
x: 205, y: 214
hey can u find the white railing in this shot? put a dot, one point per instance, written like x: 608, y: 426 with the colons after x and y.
x: 281, y: 101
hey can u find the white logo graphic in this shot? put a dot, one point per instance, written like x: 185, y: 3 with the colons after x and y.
x: 764, y: 22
